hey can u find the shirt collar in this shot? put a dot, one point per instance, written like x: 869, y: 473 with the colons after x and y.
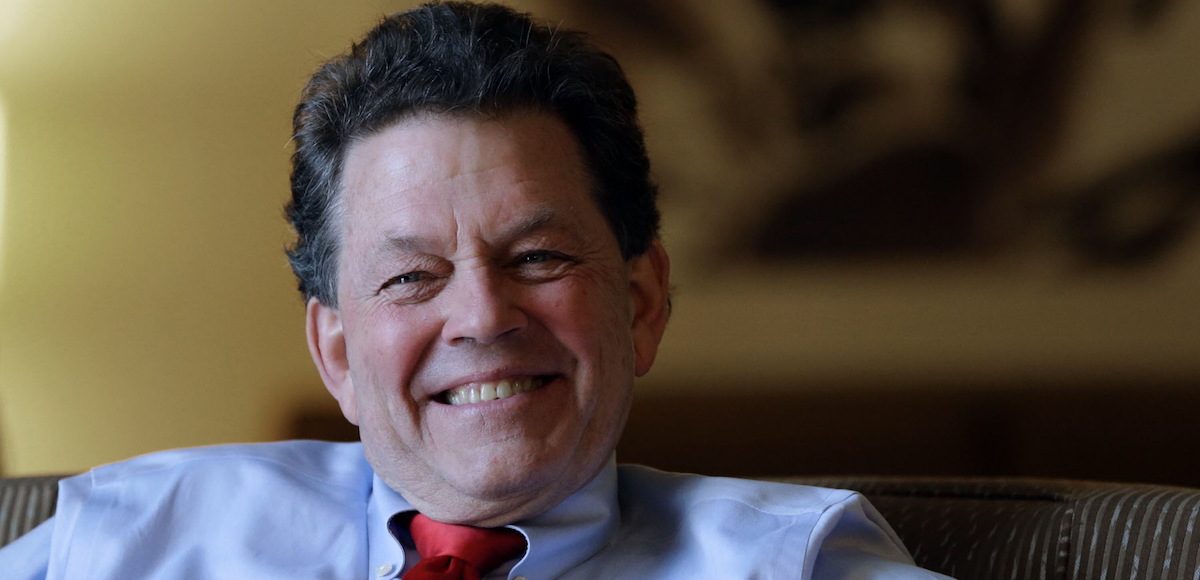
x: 384, y: 554
x: 574, y: 530
x: 559, y: 539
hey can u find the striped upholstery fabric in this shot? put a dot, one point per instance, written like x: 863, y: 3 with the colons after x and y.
x: 1040, y: 529
x: 25, y: 502
x: 1018, y: 529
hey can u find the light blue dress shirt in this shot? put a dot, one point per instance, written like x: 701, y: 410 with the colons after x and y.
x: 307, y: 509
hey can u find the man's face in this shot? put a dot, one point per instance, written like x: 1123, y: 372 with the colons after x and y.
x: 475, y: 265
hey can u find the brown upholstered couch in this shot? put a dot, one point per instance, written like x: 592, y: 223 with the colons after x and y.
x: 968, y: 528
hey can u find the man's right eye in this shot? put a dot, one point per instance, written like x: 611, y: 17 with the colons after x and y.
x: 406, y: 278
x: 411, y: 287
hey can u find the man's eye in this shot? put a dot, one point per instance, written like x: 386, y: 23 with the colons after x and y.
x: 541, y: 265
x: 543, y: 257
x: 406, y: 278
x: 411, y: 287
x: 535, y: 257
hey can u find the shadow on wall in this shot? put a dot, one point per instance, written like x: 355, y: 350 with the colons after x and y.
x: 1115, y: 432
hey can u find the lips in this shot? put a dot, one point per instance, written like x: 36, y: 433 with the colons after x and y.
x: 483, y: 391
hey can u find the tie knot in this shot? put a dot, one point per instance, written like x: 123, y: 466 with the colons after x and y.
x: 482, y: 549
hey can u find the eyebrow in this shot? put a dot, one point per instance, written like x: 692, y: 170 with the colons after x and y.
x: 540, y: 218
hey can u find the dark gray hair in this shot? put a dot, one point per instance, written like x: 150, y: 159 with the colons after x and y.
x: 459, y: 58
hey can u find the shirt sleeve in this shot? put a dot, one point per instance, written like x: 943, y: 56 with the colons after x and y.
x: 854, y: 541
x: 28, y: 557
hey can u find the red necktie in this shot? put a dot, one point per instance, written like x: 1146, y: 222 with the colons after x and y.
x: 450, y: 551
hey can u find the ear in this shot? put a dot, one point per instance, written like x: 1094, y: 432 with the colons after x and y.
x: 327, y: 345
x: 649, y: 287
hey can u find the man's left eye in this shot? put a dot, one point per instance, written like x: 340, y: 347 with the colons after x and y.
x: 537, y: 257
x: 541, y: 264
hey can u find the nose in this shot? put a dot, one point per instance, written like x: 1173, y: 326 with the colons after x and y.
x: 479, y: 308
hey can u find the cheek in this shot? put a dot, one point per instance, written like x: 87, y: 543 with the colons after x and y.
x: 384, y: 350
x: 591, y: 320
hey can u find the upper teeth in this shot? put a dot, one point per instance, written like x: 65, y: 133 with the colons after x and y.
x: 490, y: 391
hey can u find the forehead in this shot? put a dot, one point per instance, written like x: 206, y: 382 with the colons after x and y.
x: 413, y: 173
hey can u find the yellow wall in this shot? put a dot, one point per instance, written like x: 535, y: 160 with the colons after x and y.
x: 145, y: 302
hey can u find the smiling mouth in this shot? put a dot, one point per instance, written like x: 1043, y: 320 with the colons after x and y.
x: 490, y: 391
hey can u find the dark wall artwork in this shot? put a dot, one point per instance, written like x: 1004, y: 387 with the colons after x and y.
x: 957, y: 170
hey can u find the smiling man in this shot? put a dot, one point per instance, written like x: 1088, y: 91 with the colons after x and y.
x: 477, y: 243
x: 487, y: 328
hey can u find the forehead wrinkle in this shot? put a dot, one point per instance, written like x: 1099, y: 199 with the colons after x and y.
x: 539, y: 218
x: 408, y: 244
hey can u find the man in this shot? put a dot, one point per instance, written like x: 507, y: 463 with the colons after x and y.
x: 477, y: 244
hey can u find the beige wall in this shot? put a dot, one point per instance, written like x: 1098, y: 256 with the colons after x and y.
x: 145, y: 303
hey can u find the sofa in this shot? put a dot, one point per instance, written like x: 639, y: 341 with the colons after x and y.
x: 967, y: 528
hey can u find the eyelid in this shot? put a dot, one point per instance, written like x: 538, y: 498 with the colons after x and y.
x: 551, y: 265
x: 552, y: 254
x: 395, y: 279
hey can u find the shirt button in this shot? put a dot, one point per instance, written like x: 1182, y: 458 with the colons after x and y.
x: 385, y: 569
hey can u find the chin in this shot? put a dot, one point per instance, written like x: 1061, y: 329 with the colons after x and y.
x: 509, y: 491
x: 504, y: 477
x: 495, y: 503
